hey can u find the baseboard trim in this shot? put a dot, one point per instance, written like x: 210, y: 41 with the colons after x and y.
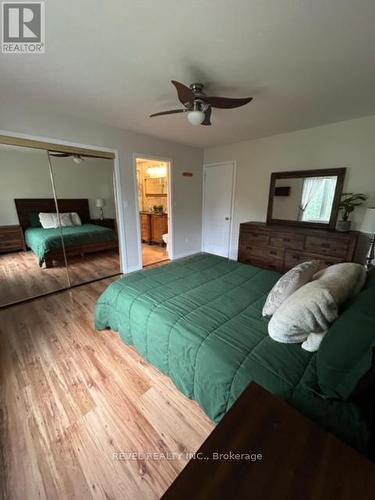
x: 133, y: 269
x: 186, y: 254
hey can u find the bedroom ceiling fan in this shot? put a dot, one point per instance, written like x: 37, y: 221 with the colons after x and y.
x: 198, y: 105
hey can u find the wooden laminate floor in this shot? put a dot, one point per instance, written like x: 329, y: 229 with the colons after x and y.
x: 153, y: 254
x: 93, y: 266
x: 71, y: 398
x: 21, y: 277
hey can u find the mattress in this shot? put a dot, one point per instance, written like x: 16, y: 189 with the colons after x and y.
x: 41, y: 241
x: 199, y: 321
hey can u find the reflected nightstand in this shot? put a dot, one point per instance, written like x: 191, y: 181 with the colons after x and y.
x: 111, y: 223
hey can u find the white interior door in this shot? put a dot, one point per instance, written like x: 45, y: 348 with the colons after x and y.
x: 217, y: 208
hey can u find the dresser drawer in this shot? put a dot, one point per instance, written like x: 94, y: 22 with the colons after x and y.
x: 330, y: 246
x: 292, y: 258
x: 255, y: 237
x: 266, y: 251
x: 7, y: 246
x: 287, y: 240
x: 10, y: 235
x: 264, y: 263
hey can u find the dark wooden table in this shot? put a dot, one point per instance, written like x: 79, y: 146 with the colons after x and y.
x: 288, y: 457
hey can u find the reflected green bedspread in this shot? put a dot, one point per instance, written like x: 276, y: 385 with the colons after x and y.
x: 41, y: 241
x: 199, y: 321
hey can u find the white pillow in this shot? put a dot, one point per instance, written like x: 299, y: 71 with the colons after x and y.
x: 343, y: 280
x: 51, y: 220
x: 48, y: 220
x: 66, y: 220
x: 76, y: 219
x: 288, y: 284
x: 306, y: 315
x: 309, y: 310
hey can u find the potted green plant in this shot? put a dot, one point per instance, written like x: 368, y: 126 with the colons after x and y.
x: 158, y: 209
x: 349, y: 202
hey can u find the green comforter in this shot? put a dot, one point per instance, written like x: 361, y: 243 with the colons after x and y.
x: 199, y: 321
x: 41, y: 241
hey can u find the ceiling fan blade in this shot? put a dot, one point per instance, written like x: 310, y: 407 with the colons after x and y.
x: 207, y: 119
x: 226, y: 102
x: 60, y: 155
x: 185, y: 95
x: 171, y: 112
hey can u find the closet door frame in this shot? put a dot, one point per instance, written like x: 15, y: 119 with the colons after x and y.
x: 57, y: 145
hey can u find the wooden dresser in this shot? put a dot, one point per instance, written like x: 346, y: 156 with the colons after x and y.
x: 280, y: 247
x: 11, y: 239
x: 263, y: 448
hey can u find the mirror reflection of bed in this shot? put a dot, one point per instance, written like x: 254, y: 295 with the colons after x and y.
x: 92, y: 249
x: 37, y: 254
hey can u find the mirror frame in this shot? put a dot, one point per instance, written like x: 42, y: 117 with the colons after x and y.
x: 339, y: 172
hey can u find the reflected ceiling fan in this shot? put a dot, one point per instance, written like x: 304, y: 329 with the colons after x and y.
x: 75, y: 157
x: 198, y: 105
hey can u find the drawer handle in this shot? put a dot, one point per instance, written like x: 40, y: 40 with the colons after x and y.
x: 287, y: 240
x: 296, y: 256
x: 272, y: 252
x: 325, y: 245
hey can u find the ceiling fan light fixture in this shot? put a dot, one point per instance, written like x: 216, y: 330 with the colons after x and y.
x: 198, y: 105
x: 195, y: 117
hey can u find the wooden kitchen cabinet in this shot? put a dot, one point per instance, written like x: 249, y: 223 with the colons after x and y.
x: 153, y: 226
x: 159, y: 226
x: 146, y: 227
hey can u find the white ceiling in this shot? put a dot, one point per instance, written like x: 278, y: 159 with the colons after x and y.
x: 305, y: 62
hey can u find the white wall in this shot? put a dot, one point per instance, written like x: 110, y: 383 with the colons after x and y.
x: 187, y: 191
x: 93, y: 178
x: 288, y: 207
x: 349, y: 144
x: 25, y: 174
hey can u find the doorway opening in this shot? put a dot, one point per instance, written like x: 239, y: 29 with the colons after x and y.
x: 153, y: 189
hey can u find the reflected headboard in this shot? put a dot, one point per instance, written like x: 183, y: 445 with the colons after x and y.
x: 27, y: 206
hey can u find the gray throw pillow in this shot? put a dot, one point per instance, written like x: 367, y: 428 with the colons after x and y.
x: 288, y: 284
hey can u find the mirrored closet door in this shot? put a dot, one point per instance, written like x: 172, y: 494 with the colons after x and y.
x: 28, y: 231
x: 85, y: 193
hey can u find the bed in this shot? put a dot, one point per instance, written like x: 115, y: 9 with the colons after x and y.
x: 78, y: 240
x: 199, y: 321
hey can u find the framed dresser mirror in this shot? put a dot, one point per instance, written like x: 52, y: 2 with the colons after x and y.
x: 307, y: 198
